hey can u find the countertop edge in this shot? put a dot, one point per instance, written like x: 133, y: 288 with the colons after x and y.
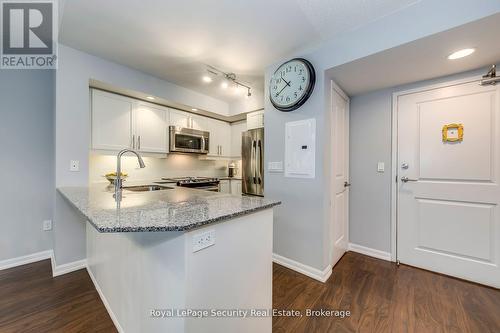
x: 168, y: 229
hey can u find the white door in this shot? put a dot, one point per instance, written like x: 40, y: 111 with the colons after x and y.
x: 448, y: 216
x: 111, y: 121
x: 151, y: 128
x: 340, y: 174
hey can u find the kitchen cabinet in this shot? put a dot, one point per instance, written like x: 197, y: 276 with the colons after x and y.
x: 179, y: 118
x: 111, y: 121
x: 151, y: 128
x: 224, y: 186
x: 236, y: 130
x: 184, y: 119
x: 235, y: 186
x: 220, y: 137
x: 255, y: 120
x: 120, y: 122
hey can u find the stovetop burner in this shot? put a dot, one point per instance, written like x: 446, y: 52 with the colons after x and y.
x: 192, y: 180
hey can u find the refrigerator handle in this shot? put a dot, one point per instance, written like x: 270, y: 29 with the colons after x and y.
x: 259, y: 179
x: 254, y: 161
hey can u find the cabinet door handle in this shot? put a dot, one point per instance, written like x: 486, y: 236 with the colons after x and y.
x: 139, y: 142
x: 133, y: 141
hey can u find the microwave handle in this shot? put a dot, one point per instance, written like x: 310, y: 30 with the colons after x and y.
x: 203, y: 144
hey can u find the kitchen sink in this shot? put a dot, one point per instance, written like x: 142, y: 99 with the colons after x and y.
x: 146, y: 188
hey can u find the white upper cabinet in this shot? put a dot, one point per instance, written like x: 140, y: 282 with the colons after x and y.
x: 236, y: 131
x: 111, y: 121
x: 120, y: 122
x: 220, y: 137
x: 255, y: 120
x: 179, y: 118
x: 151, y: 128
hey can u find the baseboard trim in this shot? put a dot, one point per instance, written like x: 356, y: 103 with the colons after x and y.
x: 27, y: 259
x: 68, y: 268
x: 309, y: 271
x: 105, y: 302
x: 370, y: 252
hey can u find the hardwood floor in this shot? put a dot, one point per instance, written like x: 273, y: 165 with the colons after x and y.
x: 384, y: 298
x: 32, y: 301
x: 379, y: 296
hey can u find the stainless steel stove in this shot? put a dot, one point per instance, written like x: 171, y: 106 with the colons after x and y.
x: 200, y: 183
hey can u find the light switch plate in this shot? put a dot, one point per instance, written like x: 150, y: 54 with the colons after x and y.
x: 275, y: 166
x: 47, y: 225
x: 380, y: 167
x: 74, y: 165
x: 203, y: 240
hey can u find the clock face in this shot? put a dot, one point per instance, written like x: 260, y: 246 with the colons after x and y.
x: 292, y: 84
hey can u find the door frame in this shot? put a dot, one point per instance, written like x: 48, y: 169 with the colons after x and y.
x: 335, y: 87
x: 394, y: 149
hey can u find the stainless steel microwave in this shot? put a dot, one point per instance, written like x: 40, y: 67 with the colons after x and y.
x: 188, y: 140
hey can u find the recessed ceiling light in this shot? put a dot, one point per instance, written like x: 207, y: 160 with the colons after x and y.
x: 207, y: 79
x: 193, y: 109
x: 224, y: 85
x: 461, y: 53
x: 151, y: 98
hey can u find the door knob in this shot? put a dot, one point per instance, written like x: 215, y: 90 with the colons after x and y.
x: 347, y: 184
x: 406, y: 179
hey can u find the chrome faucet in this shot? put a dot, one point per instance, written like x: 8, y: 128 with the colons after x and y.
x: 118, y: 180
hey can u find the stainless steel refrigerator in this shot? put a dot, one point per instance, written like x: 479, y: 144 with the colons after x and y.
x: 252, y: 152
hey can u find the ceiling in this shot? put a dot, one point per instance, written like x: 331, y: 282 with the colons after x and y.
x: 175, y: 40
x: 423, y: 59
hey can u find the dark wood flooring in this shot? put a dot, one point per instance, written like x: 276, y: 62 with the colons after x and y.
x: 379, y: 296
x: 32, y: 301
x: 384, y: 298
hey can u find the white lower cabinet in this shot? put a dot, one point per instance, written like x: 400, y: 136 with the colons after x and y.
x: 230, y: 186
x: 224, y: 186
x: 235, y: 186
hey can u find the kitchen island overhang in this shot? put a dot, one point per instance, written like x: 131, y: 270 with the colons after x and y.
x: 139, y: 268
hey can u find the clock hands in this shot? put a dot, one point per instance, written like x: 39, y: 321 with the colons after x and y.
x: 286, y: 85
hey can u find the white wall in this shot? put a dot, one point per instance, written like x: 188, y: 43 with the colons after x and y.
x: 26, y: 161
x: 73, y: 130
x: 370, y: 193
x: 244, y: 105
x: 301, y: 225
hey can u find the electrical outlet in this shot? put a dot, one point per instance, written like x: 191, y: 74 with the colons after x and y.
x: 47, y: 225
x: 74, y: 165
x: 203, y: 240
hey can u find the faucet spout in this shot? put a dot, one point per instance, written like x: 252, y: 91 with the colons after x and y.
x: 118, y: 180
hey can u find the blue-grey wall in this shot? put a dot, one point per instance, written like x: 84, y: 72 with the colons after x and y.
x: 26, y: 161
x: 302, y: 223
x: 370, y: 193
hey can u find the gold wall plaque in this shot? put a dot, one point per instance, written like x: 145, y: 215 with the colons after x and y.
x: 453, y: 133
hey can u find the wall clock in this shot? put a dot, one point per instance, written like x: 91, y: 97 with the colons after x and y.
x: 292, y: 84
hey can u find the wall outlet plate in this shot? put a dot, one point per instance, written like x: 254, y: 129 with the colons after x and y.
x: 203, y: 240
x: 275, y: 166
x: 74, y: 165
x: 47, y: 225
x: 380, y: 166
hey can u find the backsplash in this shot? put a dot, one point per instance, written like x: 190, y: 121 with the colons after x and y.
x: 174, y: 165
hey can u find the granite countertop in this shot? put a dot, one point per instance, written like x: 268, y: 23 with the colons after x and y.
x: 175, y: 209
x: 230, y: 178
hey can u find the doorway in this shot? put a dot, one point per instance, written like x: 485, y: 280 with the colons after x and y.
x: 446, y: 196
x: 339, y: 205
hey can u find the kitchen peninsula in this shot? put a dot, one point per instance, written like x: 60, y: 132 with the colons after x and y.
x: 178, y: 248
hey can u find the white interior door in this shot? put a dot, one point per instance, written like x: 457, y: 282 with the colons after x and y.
x: 448, y: 215
x: 340, y: 174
